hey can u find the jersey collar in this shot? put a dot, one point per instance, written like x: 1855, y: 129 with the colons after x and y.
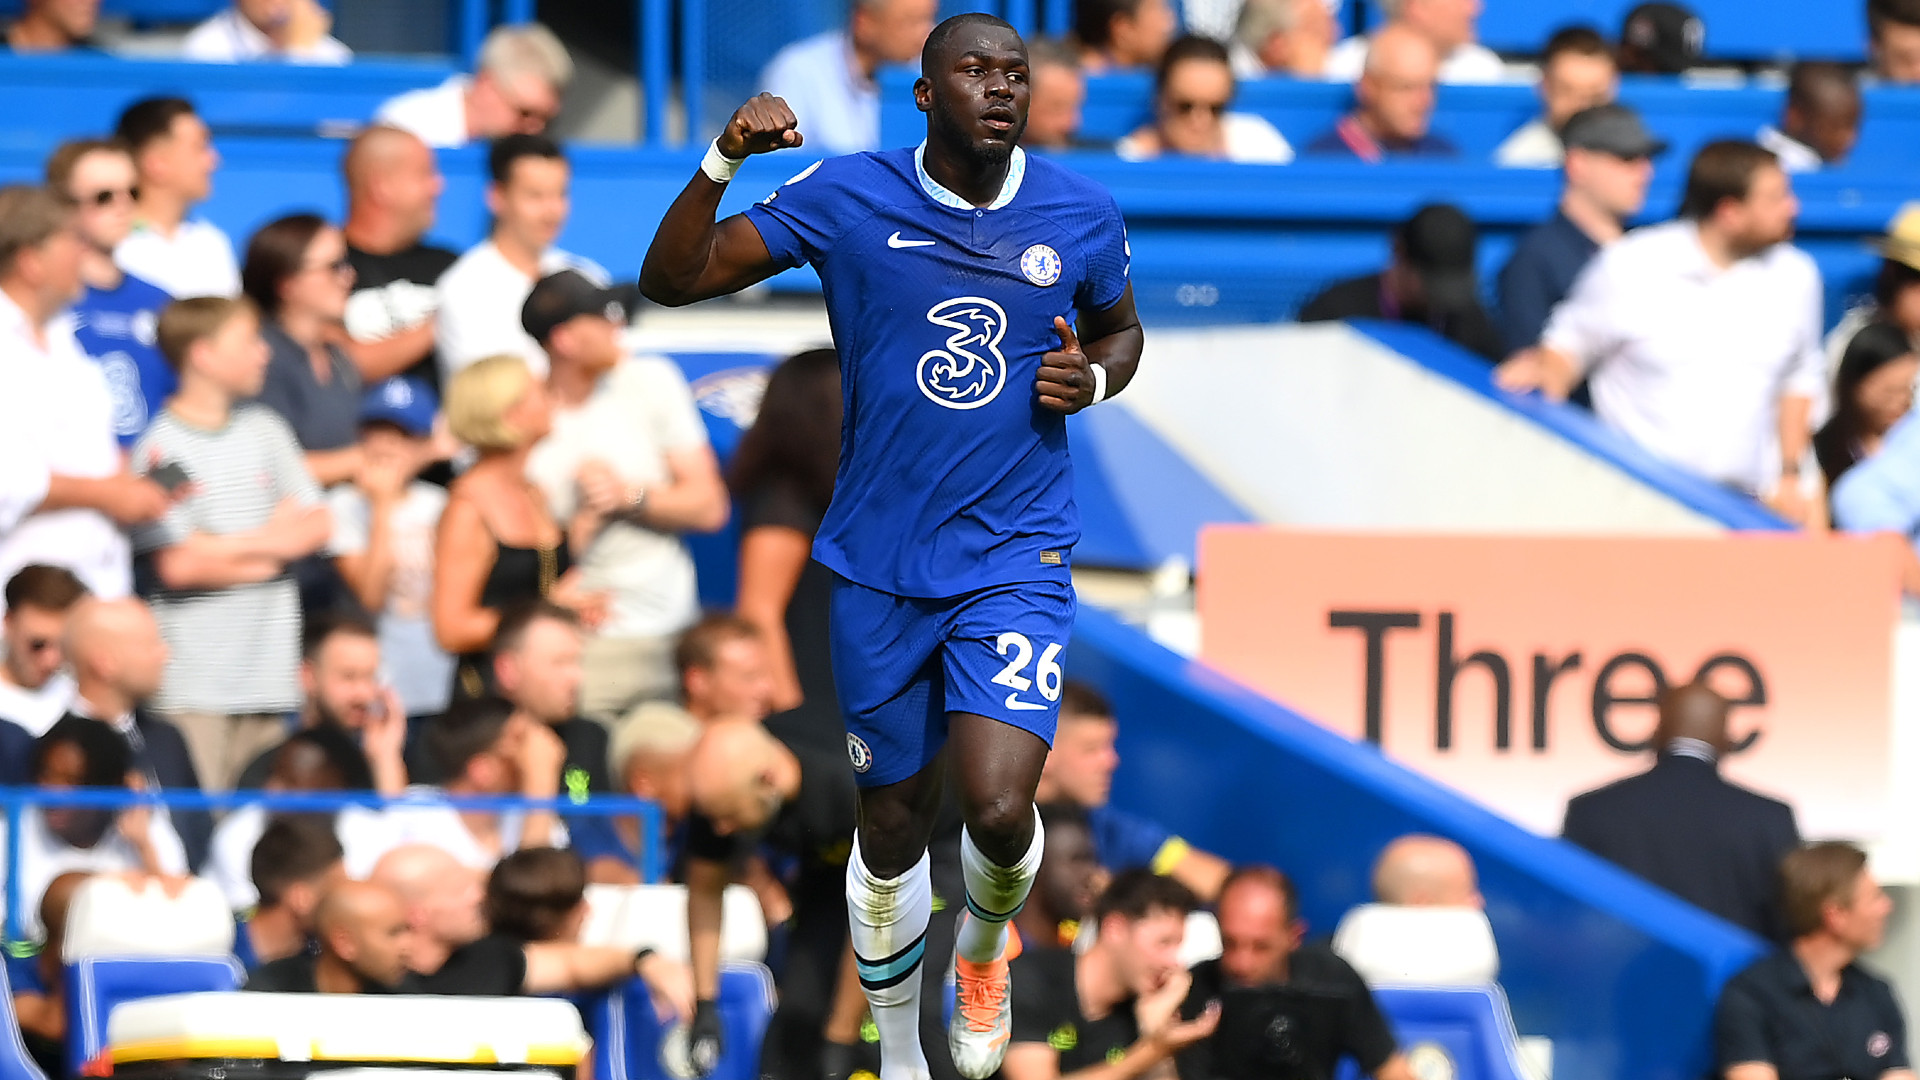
x: 1016, y: 172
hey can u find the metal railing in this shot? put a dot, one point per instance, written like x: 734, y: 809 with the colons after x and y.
x: 15, y: 801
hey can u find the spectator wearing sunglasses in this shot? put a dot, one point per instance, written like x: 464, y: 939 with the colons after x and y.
x: 1193, y: 88
x: 34, y: 691
x: 523, y: 74
x: 298, y: 275
x: 114, y: 319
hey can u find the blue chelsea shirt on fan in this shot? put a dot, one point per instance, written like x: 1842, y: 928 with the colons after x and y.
x: 952, y: 477
x: 116, y: 328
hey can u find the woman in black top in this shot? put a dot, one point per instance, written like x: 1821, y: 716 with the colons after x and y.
x: 783, y: 477
x: 1872, y: 391
x: 497, y: 545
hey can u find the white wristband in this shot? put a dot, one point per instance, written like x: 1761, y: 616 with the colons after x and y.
x: 718, y: 166
x: 1099, y: 382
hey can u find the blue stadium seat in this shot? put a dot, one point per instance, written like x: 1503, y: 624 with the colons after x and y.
x: 96, y: 984
x: 15, y: 1062
x: 78, y: 96
x: 1463, y: 1032
x: 628, y: 1034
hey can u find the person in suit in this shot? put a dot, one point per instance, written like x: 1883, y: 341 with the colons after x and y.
x: 118, y: 658
x: 1683, y: 827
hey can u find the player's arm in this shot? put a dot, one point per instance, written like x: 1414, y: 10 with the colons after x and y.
x: 1110, y: 339
x: 694, y: 257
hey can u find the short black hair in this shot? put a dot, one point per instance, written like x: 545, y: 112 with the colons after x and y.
x: 511, y: 148
x: 465, y: 731
x: 942, y: 36
x: 1879, y: 12
x: 532, y: 891
x: 1814, y: 82
x: 518, y: 619
x: 1722, y: 170
x: 49, y: 588
x: 107, y: 755
x: 1893, y: 279
x: 1064, y: 815
x: 149, y: 119
x: 1093, y: 20
x: 1137, y: 893
x: 322, y: 628
x: 1272, y: 877
x: 292, y: 849
x: 1083, y: 701
x: 342, y: 750
x: 1581, y: 40
x: 1189, y: 47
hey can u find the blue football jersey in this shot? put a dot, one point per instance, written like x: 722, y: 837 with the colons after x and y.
x: 952, y: 477
x: 116, y: 329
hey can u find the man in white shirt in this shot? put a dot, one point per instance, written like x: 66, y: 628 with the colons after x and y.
x: 628, y: 466
x: 523, y: 74
x: 292, y: 30
x: 174, y: 152
x: 1701, y: 337
x: 1576, y: 72
x: 34, y: 691
x: 827, y: 79
x: 1821, y: 122
x: 481, y: 294
x: 58, y: 409
x: 1449, y: 24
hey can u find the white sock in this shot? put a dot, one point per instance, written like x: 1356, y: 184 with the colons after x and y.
x: 995, y: 894
x: 889, y: 924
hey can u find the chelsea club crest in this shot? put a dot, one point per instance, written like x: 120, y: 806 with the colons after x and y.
x: 1041, y: 264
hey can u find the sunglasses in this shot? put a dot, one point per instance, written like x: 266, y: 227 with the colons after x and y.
x: 109, y: 196
x: 1215, y: 109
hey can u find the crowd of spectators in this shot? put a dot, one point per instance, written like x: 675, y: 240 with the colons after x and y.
x: 338, y: 510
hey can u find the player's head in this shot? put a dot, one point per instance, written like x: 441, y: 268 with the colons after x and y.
x: 1259, y: 925
x: 1080, y: 768
x: 1143, y: 921
x: 974, y: 86
x: 1069, y: 879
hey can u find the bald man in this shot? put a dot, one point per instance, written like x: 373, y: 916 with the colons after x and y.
x: 1394, y: 102
x: 393, y: 188
x: 451, y: 951
x: 118, y: 659
x: 362, y: 930
x: 1683, y: 827
x: 748, y: 789
x: 1426, y: 871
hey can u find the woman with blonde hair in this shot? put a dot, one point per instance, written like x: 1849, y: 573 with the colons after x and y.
x: 497, y: 544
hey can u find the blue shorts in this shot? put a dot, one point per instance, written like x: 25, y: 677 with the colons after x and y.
x: 901, y: 664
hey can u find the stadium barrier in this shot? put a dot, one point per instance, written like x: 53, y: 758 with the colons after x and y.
x: 1621, y: 976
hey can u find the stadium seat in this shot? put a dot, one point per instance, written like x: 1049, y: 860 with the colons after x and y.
x: 1463, y: 1032
x: 1418, y: 946
x: 124, y: 943
x: 632, y: 1043
x: 15, y: 1062
x: 656, y: 916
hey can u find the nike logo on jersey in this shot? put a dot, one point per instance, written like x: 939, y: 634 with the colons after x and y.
x: 1014, y: 703
x: 894, y: 241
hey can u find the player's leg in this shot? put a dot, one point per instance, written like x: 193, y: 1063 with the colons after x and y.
x: 889, y: 686
x: 1003, y: 690
x: 889, y: 902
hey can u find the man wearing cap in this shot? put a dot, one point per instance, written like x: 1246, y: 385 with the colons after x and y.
x: 628, y: 467
x: 1661, y: 39
x: 1701, y: 337
x: 383, y: 525
x: 1430, y: 282
x: 1609, y: 163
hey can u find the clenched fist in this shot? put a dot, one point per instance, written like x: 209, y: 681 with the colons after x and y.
x: 761, y: 126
